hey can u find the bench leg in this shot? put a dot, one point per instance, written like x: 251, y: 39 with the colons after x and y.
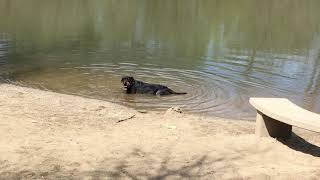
x: 268, y: 127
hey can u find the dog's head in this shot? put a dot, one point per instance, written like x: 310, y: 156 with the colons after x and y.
x: 127, y: 81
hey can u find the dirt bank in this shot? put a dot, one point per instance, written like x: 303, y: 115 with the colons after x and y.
x: 55, y: 136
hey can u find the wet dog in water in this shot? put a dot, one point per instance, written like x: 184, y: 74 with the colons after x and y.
x: 138, y: 87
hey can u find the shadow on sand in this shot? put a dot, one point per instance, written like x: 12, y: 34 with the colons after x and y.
x: 147, y: 167
x: 299, y: 144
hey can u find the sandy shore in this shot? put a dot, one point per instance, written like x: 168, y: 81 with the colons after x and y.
x: 46, y: 135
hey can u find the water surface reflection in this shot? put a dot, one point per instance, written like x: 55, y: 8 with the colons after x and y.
x: 220, y: 52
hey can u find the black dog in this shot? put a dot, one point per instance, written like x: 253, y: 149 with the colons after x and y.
x: 133, y: 86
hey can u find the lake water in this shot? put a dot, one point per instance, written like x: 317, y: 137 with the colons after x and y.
x: 220, y: 52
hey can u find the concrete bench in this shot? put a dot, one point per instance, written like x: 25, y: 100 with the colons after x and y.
x: 276, y: 116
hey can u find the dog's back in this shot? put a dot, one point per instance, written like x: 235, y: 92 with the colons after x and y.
x: 146, y: 88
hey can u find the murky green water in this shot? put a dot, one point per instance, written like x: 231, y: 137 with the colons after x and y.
x: 220, y: 52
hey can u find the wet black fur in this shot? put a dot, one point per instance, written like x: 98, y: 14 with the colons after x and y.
x: 138, y: 87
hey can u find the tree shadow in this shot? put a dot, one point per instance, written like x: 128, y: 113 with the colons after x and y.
x: 135, y: 165
x: 299, y: 144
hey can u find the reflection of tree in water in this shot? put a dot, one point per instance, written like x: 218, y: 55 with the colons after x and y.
x: 186, y: 25
x: 312, y: 88
x: 250, y: 62
x: 4, y: 49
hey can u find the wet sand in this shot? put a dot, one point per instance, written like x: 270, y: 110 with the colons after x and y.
x: 46, y: 135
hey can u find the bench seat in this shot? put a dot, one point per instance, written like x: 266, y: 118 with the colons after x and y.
x: 276, y: 116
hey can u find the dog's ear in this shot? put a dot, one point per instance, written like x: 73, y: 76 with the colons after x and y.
x: 125, y: 77
x: 131, y: 78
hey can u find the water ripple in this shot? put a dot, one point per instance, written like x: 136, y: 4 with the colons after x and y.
x: 207, y: 92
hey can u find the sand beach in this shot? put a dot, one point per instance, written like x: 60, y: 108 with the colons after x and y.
x: 46, y: 135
